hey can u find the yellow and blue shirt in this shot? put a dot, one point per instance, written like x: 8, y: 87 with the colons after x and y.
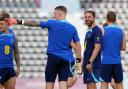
x: 7, y: 41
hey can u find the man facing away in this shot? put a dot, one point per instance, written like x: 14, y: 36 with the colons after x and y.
x: 114, y: 40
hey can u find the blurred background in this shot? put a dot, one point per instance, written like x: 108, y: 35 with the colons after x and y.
x: 33, y: 43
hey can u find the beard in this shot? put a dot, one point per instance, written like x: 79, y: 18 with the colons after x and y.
x: 89, y: 23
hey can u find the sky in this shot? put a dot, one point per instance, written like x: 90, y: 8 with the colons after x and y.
x: 49, y: 5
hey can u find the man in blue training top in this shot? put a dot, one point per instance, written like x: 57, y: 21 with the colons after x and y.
x: 92, y: 53
x: 114, y: 40
x: 59, y: 51
x: 112, y: 83
x: 8, y: 52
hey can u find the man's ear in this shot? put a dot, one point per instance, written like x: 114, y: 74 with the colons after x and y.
x: 6, y: 20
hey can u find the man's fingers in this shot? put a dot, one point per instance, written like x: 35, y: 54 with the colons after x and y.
x: 10, y: 21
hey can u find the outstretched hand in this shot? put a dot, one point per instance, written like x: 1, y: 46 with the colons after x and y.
x: 11, y: 21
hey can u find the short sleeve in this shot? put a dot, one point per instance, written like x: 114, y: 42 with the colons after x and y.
x: 98, y: 36
x: 45, y: 24
x: 75, y: 36
x: 11, y: 30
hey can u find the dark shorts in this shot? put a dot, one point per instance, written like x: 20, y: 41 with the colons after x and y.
x: 56, y: 66
x: 71, y: 68
x: 109, y: 71
x: 91, y: 77
x: 6, y: 74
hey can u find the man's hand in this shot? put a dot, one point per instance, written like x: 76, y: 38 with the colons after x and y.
x: 17, y: 71
x: 78, y: 67
x: 89, y: 67
x: 11, y: 21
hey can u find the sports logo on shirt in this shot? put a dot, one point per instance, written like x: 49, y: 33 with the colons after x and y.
x: 0, y: 77
x: 98, y: 38
x: 7, y: 49
x: 85, y: 45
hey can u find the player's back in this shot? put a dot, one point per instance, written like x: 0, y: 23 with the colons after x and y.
x: 6, y: 48
x: 60, y: 34
x: 112, y: 43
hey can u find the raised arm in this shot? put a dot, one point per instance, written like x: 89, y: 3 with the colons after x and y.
x: 32, y: 23
x: 29, y: 23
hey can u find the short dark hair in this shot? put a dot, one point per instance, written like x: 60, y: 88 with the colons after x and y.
x: 61, y: 8
x: 3, y: 15
x: 111, y: 16
x: 92, y: 12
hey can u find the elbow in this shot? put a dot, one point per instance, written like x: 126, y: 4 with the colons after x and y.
x: 98, y: 47
x: 123, y: 49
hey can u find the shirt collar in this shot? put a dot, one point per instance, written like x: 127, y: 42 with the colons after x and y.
x: 64, y: 20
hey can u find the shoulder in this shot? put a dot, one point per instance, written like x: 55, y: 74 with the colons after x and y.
x: 11, y: 30
x: 97, y: 28
x: 121, y: 28
x: 114, y: 26
x: 71, y: 26
x: 52, y: 20
x: 48, y: 21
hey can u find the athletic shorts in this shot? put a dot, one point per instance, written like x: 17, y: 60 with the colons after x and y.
x: 56, y: 66
x: 6, y: 74
x: 109, y: 71
x: 71, y: 68
x: 91, y: 77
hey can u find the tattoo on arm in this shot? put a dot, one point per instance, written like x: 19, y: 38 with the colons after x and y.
x: 32, y: 23
x: 16, y: 54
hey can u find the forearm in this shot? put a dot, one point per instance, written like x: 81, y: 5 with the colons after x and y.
x: 29, y: 23
x: 124, y: 42
x: 17, y: 60
x: 78, y: 50
x: 95, y: 53
x: 78, y: 53
x: 16, y: 54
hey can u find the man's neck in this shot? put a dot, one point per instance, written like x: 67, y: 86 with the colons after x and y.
x: 110, y: 23
x: 62, y: 19
x: 5, y: 31
x: 92, y: 26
